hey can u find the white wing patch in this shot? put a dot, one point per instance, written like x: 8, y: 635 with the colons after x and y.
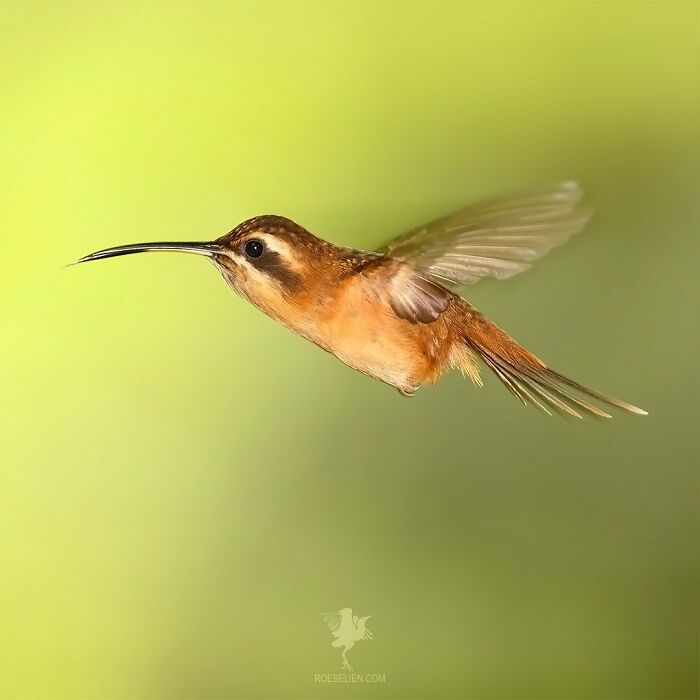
x: 415, y: 298
x: 411, y: 295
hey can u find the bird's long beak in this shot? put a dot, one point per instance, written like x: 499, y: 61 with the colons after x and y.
x: 198, y: 248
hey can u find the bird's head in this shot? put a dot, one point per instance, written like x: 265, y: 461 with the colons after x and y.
x: 270, y: 260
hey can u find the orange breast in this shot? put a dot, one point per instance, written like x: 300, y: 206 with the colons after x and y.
x: 366, y: 334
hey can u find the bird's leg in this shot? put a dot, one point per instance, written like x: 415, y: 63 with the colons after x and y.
x: 346, y: 664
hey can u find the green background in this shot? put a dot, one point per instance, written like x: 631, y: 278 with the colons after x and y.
x: 187, y: 486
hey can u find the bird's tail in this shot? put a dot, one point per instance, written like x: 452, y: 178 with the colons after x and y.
x: 527, y: 377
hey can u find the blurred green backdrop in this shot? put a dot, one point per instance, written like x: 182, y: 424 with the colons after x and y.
x: 187, y: 487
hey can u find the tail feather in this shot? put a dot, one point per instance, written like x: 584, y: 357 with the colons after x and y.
x: 530, y: 380
x: 618, y: 403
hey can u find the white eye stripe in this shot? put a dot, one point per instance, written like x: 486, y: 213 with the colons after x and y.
x: 268, y: 267
x: 274, y: 244
x: 277, y: 245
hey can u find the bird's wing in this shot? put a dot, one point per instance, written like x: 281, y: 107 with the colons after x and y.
x: 340, y: 624
x: 411, y: 295
x: 333, y: 620
x: 497, y: 237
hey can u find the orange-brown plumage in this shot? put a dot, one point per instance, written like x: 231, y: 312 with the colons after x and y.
x: 394, y: 314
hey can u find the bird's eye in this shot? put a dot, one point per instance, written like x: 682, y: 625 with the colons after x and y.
x: 254, y: 248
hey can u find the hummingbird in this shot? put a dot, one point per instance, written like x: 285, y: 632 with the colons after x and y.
x: 396, y: 313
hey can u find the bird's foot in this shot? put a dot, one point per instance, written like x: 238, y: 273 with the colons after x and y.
x: 346, y: 667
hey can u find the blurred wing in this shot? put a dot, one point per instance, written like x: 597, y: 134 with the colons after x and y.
x: 495, y: 238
